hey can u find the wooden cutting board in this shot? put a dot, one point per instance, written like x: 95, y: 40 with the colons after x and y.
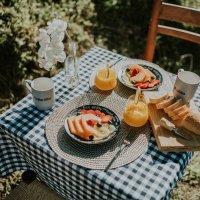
x: 165, y: 139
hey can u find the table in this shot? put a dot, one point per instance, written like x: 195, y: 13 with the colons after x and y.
x: 23, y: 146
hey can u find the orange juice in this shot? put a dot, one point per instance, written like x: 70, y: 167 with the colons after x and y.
x: 105, y: 80
x: 136, y: 114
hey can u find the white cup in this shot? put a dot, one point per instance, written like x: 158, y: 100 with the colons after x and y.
x: 42, y: 90
x: 186, y: 85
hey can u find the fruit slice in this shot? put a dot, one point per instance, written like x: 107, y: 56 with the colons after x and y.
x: 78, y: 126
x: 148, y: 75
x: 99, y: 113
x: 92, y: 122
x: 135, y: 69
x: 155, y: 82
x: 138, y: 78
x: 106, y: 119
x: 88, y: 130
x: 71, y: 125
x: 144, y: 85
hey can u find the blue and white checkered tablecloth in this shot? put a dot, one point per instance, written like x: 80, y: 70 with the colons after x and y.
x: 23, y: 145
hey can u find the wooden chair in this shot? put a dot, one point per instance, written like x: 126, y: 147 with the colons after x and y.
x: 175, y: 13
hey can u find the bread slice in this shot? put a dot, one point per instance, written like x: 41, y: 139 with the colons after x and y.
x: 175, y: 105
x: 175, y: 118
x: 178, y: 110
x: 183, y: 114
x: 165, y: 103
x: 159, y: 99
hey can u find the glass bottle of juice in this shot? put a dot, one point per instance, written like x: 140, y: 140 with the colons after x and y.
x: 136, y: 111
x: 106, y: 79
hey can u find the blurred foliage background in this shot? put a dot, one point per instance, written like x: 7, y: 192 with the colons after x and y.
x: 117, y: 25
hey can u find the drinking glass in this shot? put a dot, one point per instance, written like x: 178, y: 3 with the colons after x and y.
x: 136, y: 113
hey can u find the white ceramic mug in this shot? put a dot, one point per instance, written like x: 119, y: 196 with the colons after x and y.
x: 186, y: 85
x: 42, y: 90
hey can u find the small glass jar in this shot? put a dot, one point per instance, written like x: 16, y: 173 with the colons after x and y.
x: 136, y: 113
x: 71, y: 67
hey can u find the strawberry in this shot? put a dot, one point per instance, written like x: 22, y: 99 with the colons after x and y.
x: 137, y: 84
x: 144, y: 85
x: 83, y: 111
x: 106, y: 118
x: 99, y: 113
x: 155, y: 82
x: 92, y: 122
x: 134, y: 72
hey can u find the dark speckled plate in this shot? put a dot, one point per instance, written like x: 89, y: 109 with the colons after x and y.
x: 115, y: 121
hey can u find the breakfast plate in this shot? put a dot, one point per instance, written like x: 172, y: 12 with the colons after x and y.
x: 124, y: 77
x: 95, y: 124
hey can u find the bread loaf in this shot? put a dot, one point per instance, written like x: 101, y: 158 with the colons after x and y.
x: 192, y: 122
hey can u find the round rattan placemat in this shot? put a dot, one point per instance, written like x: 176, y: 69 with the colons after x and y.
x: 95, y: 156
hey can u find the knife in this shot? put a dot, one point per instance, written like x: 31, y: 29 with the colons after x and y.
x: 171, y: 127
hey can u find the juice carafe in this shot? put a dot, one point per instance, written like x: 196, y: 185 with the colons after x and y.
x: 136, y: 112
x: 105, y: 79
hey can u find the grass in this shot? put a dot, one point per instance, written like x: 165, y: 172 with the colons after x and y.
x: 189, y: 187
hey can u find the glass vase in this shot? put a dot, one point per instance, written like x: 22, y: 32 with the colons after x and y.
x: 71, y: 67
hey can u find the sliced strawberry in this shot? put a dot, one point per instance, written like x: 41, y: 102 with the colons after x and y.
x: 106, y: 118
x: 155, y: 82
x: 150, y: 85
x: 91, y: 112
x: 83, y: 111
x: 99, y: 113
x: 134, y: 72
x: 144, y: 85
x: 87, y: 112
x: 137, y: 84
x: 92, y: 122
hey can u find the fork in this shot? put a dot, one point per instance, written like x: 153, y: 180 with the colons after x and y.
x: 125, y: 143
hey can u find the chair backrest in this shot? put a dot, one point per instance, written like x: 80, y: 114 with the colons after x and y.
x: 175, y: 13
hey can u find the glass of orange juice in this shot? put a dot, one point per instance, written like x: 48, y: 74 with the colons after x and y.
x: 106, y: 79
x: 136, y: 110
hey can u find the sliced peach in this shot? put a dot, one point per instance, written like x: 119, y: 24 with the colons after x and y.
x: 138, y: 78
x: 77, y: 124
x: 71, y: 125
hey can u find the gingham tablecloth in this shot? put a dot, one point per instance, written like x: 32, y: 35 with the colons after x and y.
x: 23, y: 145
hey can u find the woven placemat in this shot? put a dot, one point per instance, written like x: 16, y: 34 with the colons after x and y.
x: 95, y: 156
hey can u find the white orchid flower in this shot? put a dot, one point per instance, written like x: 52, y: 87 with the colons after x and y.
x: 42, y: 51
x: 56, y: 25
x: 48, y: 65
x: 61, y: 57
x: 57, y: 36
x: 51, y: 48
x: 43, y: 36
x: 56, y: 45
